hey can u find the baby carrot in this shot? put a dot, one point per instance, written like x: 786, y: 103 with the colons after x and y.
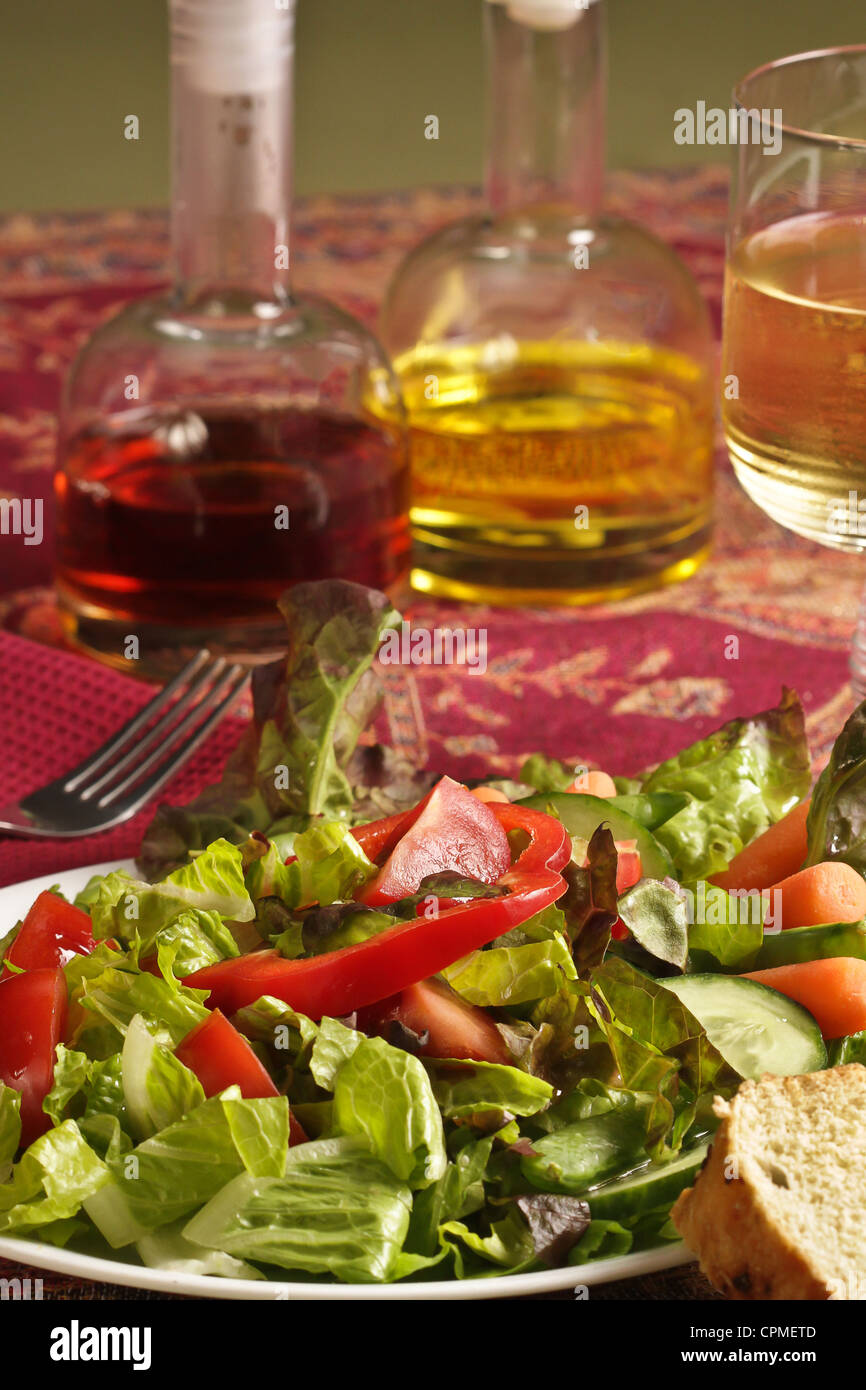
x: 489, y: 794
x: 775, y: 854
x: 834, y: 991
x: 828, y: 892
x: 594, y: 783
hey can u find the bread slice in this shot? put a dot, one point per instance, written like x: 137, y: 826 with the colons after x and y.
x: 779, y: 1208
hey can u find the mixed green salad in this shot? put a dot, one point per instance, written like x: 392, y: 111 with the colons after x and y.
x: 352, y: 1021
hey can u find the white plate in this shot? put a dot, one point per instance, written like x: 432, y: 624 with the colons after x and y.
x: 14, y: 902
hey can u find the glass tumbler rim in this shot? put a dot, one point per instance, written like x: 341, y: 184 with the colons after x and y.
x: 816, y: 137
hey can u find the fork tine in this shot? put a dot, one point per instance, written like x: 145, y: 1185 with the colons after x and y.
x: 127, y: 731
x: 217, y: 700
x: 160, y: 733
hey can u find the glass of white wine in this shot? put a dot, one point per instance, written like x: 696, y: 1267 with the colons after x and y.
x: 794, y: 354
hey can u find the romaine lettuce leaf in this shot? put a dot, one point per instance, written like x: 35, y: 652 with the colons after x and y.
x: 568, y: 1043
x: 72, y: 1072
x: 657, y: 1048
x: 508, y: 1245
x: 385, y: 1095
x: 644, y: 1069
x: 329, y: 865
x: 53, y: 1177
x: 291, y: 1035
x: 105, y: 1135
x: 543, y: 926
x: 323, y: 929
x: 589, y: 1097
x: 157, y: 1088
x: 104, y: 1090
x: 602, y: 1240
x: 172, y: 1173
x: 103, y: 891
x: 504, y: 976
x: 169, y: 1249
x: 338, y: 1211
x: 463, y: 1089
x: 192, y: 941
x: 605, y: 1239
x: 278, y: 925
x: 334, y: 1045
x: 115, y: 996
x: 212, y: 882
x: 91, y: 1093
x: 739, y: 780
x: 728, y: 929
x: 546, y: 774
x: 456, y: 1194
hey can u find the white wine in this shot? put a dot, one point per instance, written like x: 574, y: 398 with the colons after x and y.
x: 794, y: 374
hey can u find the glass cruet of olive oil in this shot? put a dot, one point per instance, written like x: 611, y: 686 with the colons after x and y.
x: 556, y: 363
x: 217, y: 441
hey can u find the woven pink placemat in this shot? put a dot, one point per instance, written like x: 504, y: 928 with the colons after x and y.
x: 55, y: 709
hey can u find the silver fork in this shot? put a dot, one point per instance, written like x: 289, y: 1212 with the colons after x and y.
x: 127, y: 770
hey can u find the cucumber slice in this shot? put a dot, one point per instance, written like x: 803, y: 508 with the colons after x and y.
x: 799, y: 944
x: 756, y: 1029
x: 653, y: 1186
x: 582, y: 814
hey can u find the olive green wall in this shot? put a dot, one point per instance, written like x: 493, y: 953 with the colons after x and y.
x: 369, y: 72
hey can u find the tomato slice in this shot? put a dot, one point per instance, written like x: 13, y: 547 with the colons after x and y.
x: 220, y: 1056
x: 453, y: 831
x: 455, y: 1028
x: 628, y: 865
x: 51, y: 934
x: 32, y: 1023
x: 628, y: 873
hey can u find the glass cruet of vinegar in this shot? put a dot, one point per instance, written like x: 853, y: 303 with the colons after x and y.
x: 218, y: 441
x: 556, y: 363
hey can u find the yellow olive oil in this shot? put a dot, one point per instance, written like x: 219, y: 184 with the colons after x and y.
x: 556, y: 472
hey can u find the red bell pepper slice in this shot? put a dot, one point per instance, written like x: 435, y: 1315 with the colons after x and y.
x: 339, y: 982
x: 549, y: 845
x: 378, y: 837
x: 51, y: 934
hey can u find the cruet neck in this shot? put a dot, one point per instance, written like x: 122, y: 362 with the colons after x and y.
x: 546, y: 93
x: 232, y: 81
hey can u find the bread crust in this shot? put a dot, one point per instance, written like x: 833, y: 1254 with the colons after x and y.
x: 723, y: 1219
